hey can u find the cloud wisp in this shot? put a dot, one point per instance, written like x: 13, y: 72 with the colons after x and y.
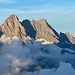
x: 46, y: 8
x: 8, y: 1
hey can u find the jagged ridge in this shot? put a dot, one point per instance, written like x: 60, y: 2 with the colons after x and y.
x: 35, y: 29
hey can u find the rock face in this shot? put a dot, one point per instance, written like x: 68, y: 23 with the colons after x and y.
x: 70, y: 37
x: 64, y: 38
x: 65, y: 41
x: 40, y: 29
x: 12, y: 27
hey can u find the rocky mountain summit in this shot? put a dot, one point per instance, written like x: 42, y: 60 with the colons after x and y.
x: 12, y: 27
x: 70, y: 37
x: 40, y: 29
x: 35, y: 29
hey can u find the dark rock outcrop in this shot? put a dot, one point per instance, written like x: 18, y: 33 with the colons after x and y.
x: 1, y: 33
x: 29, y: 28
x: 65, y: 42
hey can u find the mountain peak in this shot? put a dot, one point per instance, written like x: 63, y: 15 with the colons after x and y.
x: 70, y: 37
x: 13, y: 15
x: 44, y: 30
x: 12, y: 18
x: 12, y: 27
x: 43, y: 20
x: 68, y: 33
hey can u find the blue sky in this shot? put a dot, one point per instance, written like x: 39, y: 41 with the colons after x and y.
x: 60, y: 14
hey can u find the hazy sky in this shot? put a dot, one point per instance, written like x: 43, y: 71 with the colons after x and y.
x: 60, y: 14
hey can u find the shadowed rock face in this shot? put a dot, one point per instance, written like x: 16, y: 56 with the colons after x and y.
x: 64, y: 38
x: 29, y: 28
x: 65, y: 42
x: 12, y: 27
x: 1, y: 33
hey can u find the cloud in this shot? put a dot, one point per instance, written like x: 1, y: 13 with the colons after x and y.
x: 18, y: 59
x: 8, y: 1
x: 44, y: 8
x: 24, y: 11
x: 64, y: 69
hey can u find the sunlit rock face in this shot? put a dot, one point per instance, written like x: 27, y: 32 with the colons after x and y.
x: 40, y: 30
x: 34, y: 29
x: 12, y: 27
x: 70, y: 37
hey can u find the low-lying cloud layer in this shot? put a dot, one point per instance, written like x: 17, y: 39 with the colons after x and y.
x: 33, y: 58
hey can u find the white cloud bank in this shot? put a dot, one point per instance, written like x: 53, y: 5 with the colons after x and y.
x: 16, y: 58
x: 64, y: 69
